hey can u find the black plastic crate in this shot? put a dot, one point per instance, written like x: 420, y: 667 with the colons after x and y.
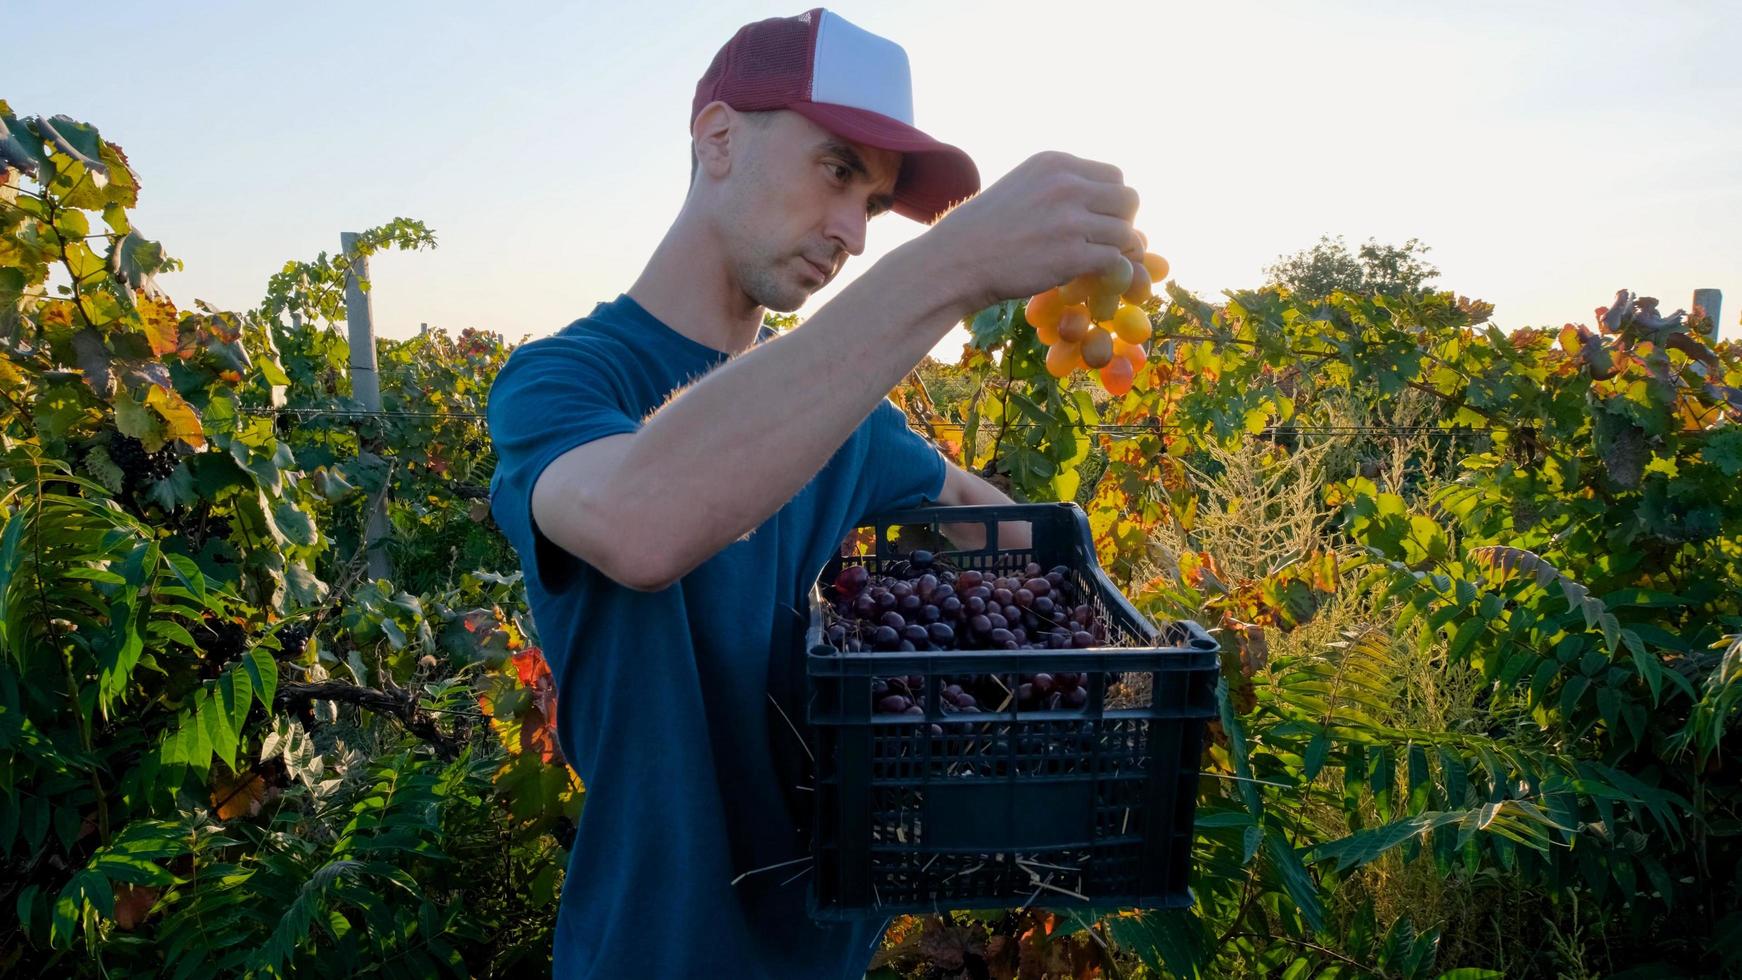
x: 1091, y: 806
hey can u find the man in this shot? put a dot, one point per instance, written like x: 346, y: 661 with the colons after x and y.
x: 674, y: 477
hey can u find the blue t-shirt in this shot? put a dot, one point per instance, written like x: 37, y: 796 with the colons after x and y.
x: 665, y: 697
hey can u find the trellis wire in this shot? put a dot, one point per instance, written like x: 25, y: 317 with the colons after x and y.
x: 1107, y: 427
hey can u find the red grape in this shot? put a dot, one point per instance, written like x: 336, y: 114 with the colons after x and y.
x: 851, y: 580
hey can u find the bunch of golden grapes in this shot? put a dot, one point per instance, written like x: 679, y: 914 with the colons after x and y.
x: 1097, y: 323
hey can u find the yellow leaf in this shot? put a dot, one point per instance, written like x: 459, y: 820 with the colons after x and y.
x: 158, y: 317
x: 240, y: 795
x: 184, y: 422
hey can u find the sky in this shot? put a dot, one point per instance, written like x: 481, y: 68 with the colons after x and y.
x: 1549, y: 154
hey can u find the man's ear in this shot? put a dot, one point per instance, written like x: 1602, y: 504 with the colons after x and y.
x: 711, y: 134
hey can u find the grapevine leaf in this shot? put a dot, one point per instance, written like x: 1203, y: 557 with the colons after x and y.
x: 20, y: 148
x: 1723, y: 449
x: 133, y: 260
x: 183, y: 422
x: 77, y: 140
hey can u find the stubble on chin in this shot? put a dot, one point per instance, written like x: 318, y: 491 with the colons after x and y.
x: 772, y: 290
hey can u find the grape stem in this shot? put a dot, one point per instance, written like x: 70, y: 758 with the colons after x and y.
x: 789, y: 724
x: 771, y: 867
x: 1004, y: 421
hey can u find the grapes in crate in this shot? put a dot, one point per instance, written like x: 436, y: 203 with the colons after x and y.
x: 924, y: 604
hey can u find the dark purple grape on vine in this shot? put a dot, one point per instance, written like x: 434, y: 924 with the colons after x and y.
x: 293, y: 639
x: 221, y: 639
x: 564, y: 830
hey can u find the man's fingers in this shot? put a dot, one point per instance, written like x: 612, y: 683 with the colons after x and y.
x: 1114, y: 232
x: 1115, y: 200
x: 1095, y: 170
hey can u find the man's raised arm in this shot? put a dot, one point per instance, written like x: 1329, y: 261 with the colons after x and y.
x: 787, y: 405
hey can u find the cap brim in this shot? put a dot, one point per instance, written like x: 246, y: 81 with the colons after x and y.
x: 934, y: 176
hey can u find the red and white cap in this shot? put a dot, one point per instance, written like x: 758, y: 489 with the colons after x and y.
x: 852, y: 83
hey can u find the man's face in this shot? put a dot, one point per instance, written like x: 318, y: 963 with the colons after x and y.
x: 795, y: 205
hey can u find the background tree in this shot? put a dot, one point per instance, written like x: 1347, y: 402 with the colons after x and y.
x: 1328, y: 266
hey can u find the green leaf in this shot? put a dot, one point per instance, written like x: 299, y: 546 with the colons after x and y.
x: 1648, y: 666
x: 1572, y: 692
x: 77, y: 140
x: 1238, y: 753
x: 134, y: 420
x: 295, y: 523
x: 236, y: 693
x: 1466, y: 635
x: 1253, y: 837
x: 71, y: 224
x: 993, y: 325
x: 1173, y: 940
x: 1065, y: 484
x: 66, y: 912
x: 1313, y: 759
x: 134, y: 260
x: 214, y: 720
x: 1723, y: 449
x: 188, y: 572
x: 1296, y: 880
x: 20, y: 148
x: 1420, y: 779
x: 301, y: 586
x: 1364, y: 847
x: 262, y: 674
x: 26, y: 907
